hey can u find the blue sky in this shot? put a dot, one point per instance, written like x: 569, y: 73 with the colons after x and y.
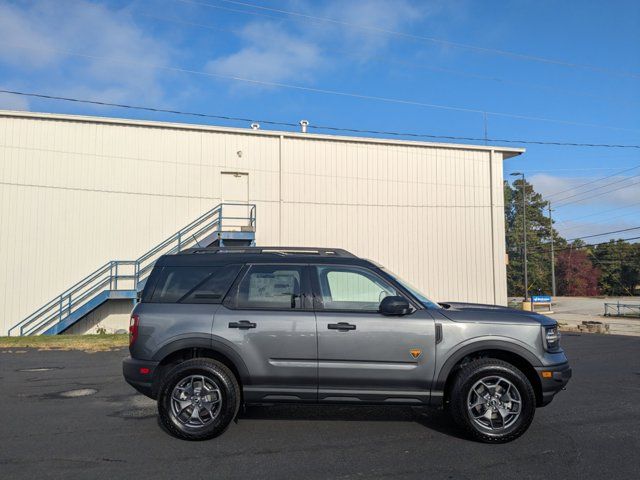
x: 544, y: 70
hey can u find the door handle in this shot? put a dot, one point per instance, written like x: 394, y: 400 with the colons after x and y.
x: 342, y: 326
x: 242, y: 324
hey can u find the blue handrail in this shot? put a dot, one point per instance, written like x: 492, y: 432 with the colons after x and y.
x: 120, y: 273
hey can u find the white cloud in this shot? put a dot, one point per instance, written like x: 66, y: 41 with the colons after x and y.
x: 269, y: 54
x: 559, y: 189
x: 379, y: 14
x: 37, y: 35
x: 299, y: 50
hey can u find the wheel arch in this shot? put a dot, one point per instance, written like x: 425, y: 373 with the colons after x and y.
x: 518, y: 356
x: 199, y: 347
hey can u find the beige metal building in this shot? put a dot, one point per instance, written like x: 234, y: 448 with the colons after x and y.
x: 76, y: 192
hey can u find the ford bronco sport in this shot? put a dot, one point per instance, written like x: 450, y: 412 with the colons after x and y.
x: 216, y: 328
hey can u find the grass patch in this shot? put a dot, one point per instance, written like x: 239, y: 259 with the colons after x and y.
x: 90, y: 343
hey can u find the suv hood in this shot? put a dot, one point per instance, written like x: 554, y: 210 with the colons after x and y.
x: 480, y: 312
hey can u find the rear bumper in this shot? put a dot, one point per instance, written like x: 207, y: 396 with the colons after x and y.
x: 133, y: 372
x: 558, y: 379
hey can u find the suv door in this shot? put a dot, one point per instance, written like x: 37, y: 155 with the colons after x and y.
x: 268, y: 318
x: 362, y: 354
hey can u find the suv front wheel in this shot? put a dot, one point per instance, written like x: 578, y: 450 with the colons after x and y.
x: 198, y: 399
x: 492, y: 401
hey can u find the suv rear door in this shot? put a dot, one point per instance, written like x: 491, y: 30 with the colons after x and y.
x: 364, y: 356
x: 268, y: 319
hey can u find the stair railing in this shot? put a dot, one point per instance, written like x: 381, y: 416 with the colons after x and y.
x: 128, y: 274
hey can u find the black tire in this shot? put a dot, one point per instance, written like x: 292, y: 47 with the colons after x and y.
x: 214, y: 374
x: 461, y: 397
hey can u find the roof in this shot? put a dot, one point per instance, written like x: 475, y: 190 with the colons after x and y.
x: 263, y: 254
x: 508, y: 152
x: 212, y: 260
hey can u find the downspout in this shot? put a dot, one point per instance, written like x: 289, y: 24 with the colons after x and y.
x: 281, y: 138
x: 492, y: 202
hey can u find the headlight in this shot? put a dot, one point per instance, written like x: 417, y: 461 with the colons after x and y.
x: 551, y: 338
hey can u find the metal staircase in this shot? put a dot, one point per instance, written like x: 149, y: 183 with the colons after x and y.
x: 225, y: 224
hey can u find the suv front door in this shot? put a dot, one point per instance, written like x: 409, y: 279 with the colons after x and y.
x: 364, y: 356
x: 268, y: 319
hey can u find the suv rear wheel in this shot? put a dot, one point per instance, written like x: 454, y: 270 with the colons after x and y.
x: 198, y: 399
x: 492, y: 401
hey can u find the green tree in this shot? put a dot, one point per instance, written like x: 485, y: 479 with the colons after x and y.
x: 620, y: 265
x: 538, y: 240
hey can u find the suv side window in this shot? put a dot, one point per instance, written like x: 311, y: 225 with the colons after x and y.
x: 351, y: 288
x: 271, y: 287
x: 192, y: 284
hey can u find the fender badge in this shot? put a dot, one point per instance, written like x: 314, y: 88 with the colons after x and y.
x: 415, y: 352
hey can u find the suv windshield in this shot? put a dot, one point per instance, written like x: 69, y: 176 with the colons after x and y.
x: 413, y: 290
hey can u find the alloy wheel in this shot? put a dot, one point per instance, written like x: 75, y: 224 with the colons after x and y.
x: 196, y: 401
x: 494, y: 403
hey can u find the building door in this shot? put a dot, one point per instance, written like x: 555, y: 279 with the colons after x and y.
x: 235, y: 189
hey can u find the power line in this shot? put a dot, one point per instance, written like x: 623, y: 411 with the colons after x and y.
x: 591, y: 182
x: 324, y: 91
x: 414, y: 65
x: 318, y: 127
x: 619, y: 280
x: 600, y: 213
x: 600, y: 194
x: 528, y: 171
x: 149, y: 109
x: 604, y: 233
x: 410, y: 36
x: 568, y: 229
x: 475, y: 139
x: 602, y: 243
x: 586, y: 245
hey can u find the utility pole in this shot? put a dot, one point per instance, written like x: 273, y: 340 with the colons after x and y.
x: 553, y: 262
x: 524, y: 233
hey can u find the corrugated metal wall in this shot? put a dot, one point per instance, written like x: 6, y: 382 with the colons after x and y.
x: 75, y: 193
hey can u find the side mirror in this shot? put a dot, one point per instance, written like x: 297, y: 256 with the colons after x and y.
x: 394, y: 305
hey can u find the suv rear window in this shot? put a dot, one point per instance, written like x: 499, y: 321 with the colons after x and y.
x: 191, y: 284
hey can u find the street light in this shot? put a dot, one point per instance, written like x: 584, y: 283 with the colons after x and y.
x: 524, y: 232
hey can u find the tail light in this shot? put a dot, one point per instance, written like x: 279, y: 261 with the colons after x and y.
x: 133, y: 328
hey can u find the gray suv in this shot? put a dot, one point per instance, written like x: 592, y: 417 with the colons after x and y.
x: 218, y: 328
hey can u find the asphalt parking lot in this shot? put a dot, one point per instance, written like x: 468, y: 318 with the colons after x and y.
x: 592, y: 430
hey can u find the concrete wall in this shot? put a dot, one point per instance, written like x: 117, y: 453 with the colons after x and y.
x: 112, y: 316
x: 76, y: 192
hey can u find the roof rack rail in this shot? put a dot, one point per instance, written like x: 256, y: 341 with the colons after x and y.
x: 320, y: 251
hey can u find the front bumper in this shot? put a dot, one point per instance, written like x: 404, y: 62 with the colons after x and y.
x: 553, y: 379
x: 132, y: 370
